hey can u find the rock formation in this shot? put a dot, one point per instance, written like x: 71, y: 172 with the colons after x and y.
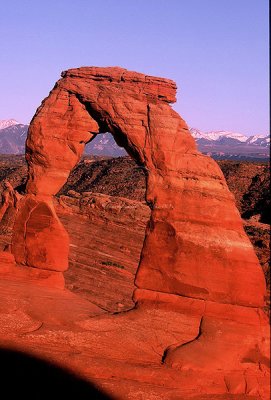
x: 195, y: 245
x: 200, y: 288
x: 9, y: 205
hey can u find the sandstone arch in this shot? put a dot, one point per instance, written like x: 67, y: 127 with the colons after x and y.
x: 195, y: 245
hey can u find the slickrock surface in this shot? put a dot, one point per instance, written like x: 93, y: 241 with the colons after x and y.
x: 197, y: 327
x: 124, y: 354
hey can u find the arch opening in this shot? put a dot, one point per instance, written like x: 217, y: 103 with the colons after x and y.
x: 108, y: 125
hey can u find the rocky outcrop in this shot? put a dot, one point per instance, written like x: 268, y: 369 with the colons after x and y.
x: 250, y: 182
x: 8, y: 207
x: 199, y: 286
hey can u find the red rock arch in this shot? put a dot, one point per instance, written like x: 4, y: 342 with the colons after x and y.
x: 195, y: 245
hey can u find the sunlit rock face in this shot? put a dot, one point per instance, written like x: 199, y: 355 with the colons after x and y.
x: 195, y: 245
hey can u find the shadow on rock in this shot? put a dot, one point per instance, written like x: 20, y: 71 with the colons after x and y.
x: 32, y: 378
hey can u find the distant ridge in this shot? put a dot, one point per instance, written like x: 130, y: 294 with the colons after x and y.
x: 12, y: 137
x: 232, y: 145
x: 224, y: 136
x: 217, y: 144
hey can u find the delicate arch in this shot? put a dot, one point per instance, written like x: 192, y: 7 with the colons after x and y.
x: 195, y: 245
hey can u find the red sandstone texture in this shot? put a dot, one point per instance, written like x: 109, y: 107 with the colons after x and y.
x: 197, y: 327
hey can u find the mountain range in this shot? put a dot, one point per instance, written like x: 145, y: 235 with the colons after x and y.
x: 229, y: 137
x: 218, y: 144
x: 12, y: 136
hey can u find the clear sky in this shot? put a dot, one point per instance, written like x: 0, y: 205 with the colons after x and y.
x: 216, y: 51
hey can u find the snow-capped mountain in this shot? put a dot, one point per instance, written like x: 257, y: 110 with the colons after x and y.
x: 260, y: 140
x: 217, y: 135
x: 104, y: 145
x: 232, y: 145
x: 12, y: 137
x: 228, y: 137
x: 5, y: 123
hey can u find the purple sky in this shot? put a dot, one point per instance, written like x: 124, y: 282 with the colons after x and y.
x: 216, y: 51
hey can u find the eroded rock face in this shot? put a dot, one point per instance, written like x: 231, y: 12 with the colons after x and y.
x: 8, y: 207
x: 46, y: 242
x: 195, y: 245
